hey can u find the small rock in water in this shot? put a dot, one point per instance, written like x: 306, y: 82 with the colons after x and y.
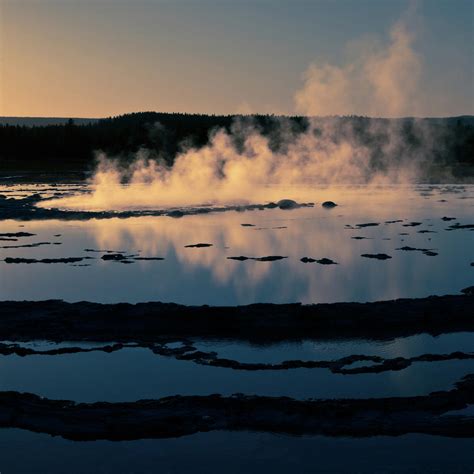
x: 247, y: 225
x: 114, y: 256
x: 428, y: 252
x: 378, y: 256
x: 446, y: 219
x: 175, y: 214
x: 412, y: 224
x: 199, y: 245
x: 368, y: 224
x: 460, y: 226
x: 287, y: 204
x: 43, y: 260
x: 17, y: 234
x: 270, y: 258
x: 326, y: 261
x: 328, y: 204
x: 322, y: 261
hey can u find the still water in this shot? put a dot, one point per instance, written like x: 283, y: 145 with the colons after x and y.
x: 133, y: 374
x: 420, y: 217
x: 237, y: 452
x: 205, y: 275
x: 234, y: 452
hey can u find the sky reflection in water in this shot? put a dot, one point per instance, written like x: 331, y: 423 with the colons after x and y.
x: 206, y: 276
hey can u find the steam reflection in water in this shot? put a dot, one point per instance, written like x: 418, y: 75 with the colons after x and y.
x: 206, y: 276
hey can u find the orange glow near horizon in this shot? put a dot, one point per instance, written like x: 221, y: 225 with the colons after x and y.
x: 66, y: 58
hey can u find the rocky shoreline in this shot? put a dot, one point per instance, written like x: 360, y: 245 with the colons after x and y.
x: 57, y: 320
x: 184, y: 415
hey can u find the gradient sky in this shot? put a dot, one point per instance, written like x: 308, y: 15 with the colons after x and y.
x: 94, y: 58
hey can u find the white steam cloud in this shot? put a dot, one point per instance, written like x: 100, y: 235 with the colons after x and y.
x: 242, y: 165
x: 383, y: 83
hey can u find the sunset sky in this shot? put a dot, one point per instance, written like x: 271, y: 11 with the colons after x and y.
x: 86, y: 58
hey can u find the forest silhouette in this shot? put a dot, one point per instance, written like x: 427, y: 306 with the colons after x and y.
x: 73, y: 147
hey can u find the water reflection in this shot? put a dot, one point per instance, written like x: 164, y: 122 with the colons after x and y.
x: 207, y: 276
x: 134, y: 374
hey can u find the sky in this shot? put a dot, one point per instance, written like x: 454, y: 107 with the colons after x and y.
x: 96, y: 58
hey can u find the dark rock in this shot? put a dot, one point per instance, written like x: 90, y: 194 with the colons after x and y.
x: 468, y: 291
x: 368, y: 224
x: 428, y: 252
x: 378, y: 256
x: 326, y: 261
x: 37, y: 244
x: 176, y: 213
x: 17, y: 234
x: 200, y: 245
x: 328, y: 204
x: 177, y: 415
x: 114, y: 256
x: 287, y: 204
x: 43, y: 260
x: 461, y: 226
x: 143, y: 322
x: 270, y: 258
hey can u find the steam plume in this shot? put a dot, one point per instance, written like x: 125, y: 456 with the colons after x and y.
x: 383, y: 83
x: 244, y: 165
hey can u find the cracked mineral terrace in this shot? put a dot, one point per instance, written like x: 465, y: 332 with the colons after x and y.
x: 184, y: 415
x: 58, y: 320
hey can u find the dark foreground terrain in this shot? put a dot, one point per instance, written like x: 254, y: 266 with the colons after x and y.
x: 179, y: 415
x: 159, y: 326
x: 60, y: 321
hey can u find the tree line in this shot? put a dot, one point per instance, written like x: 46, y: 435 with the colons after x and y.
x: 451, y: 139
